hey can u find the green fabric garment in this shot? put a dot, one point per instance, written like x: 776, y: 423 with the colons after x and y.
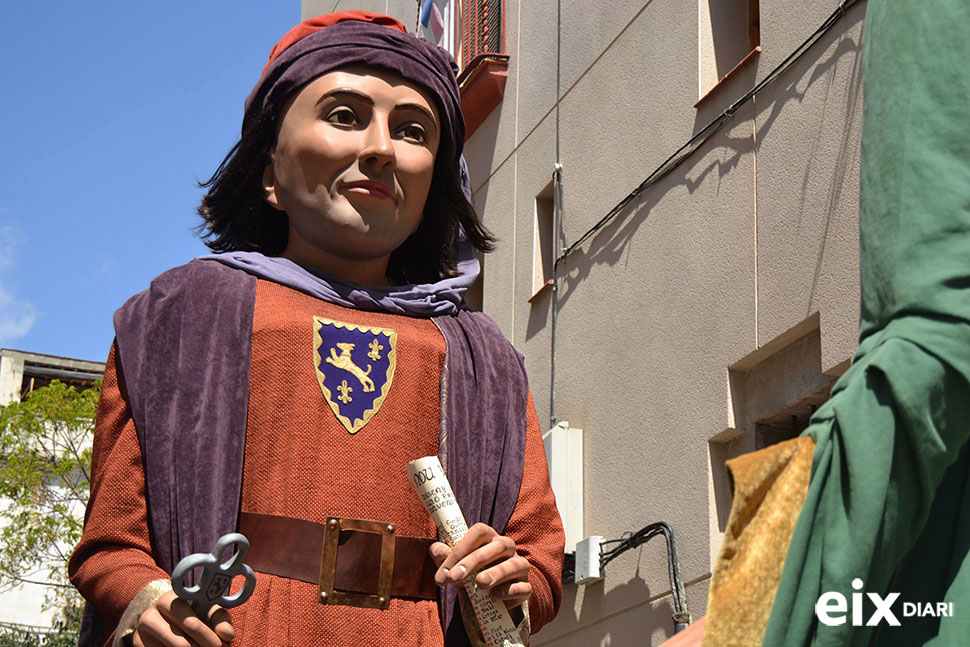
x: 889, y: 498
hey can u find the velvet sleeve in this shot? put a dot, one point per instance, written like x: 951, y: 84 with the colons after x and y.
x: 113, y: 561
x: 536, y: 528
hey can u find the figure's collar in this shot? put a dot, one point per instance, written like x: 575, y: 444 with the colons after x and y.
x: 445, y: 297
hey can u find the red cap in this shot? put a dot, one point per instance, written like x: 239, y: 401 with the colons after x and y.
x: 307, y: 27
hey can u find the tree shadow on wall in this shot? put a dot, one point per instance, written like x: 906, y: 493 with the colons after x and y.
x: 626, y: 615
x: 608, y: 245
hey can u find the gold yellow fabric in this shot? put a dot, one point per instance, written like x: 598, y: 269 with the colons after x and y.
x: 769, y: 488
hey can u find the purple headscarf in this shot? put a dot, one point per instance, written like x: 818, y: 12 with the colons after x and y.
x: 360, y: 38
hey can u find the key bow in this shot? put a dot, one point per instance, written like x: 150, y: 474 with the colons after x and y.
x: 213, y: 584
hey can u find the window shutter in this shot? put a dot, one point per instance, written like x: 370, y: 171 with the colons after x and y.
x: 482, y: 28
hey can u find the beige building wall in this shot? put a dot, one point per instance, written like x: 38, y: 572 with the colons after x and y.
x: 710, y: 316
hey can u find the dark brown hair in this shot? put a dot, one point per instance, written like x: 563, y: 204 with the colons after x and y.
x: 237, y: 218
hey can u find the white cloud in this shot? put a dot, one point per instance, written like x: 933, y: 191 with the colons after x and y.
x: 108, y: 266
x: 11, y: 239
x: 17, y: 316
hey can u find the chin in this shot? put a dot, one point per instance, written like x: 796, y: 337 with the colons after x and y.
x: 360, y: 249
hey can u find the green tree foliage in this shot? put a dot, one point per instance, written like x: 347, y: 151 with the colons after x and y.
x: 14, y: 637
x: 63, y: 632
x: 45, y: 462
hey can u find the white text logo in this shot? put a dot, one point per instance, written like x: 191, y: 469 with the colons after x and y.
x: 832, y: 607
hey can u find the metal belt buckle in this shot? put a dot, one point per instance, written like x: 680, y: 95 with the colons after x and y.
x: 328, y: 563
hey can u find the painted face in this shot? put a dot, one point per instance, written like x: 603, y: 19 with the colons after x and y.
x: 352, y: 166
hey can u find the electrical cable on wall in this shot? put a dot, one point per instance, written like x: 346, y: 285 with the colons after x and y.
x: 668, y: 166
x: 557, y: 227
x: 681, y: 615
x: 710, y: 129
x: 629, y: 540
x: 608, y: 550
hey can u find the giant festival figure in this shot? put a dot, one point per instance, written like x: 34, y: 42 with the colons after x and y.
x: 279, y: 386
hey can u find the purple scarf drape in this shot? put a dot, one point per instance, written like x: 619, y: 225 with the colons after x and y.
x: 183, y: 352
x: 445, y: 297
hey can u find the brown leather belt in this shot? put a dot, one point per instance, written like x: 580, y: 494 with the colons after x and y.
x: 355, y: 562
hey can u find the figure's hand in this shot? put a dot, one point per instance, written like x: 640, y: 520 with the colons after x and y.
x: 170, y: 622
x: 507, y: 575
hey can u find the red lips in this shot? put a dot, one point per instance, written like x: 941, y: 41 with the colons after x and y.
x: 369, y: 188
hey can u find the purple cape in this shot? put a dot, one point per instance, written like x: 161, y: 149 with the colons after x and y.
x: 183, y: 354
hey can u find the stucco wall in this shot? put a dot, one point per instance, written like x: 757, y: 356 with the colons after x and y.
x: 404, y: 10
x: 750, y: 238
x: 743, y: 250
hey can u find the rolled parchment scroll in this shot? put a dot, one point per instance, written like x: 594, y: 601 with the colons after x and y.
x: 435, y: 492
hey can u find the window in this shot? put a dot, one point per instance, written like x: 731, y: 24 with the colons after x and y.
x: 474, y: 32
x: 438, y: 23
x: 542, y: 241
x: 482, y: 31
x: 772, y: 393
x: 729, y: 34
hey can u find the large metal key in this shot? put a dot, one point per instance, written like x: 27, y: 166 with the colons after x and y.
x: 213, y: 584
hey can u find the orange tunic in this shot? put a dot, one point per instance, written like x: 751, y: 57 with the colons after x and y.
x: 301, y: 462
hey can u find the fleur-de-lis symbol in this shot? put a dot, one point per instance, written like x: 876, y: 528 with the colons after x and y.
x: 344, y: 391
x: 375, y: 350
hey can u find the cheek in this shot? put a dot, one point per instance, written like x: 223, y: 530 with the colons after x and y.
x: 314, y: 159
x: 416, y: 169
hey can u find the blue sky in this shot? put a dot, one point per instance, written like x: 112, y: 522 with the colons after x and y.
x: 109, y: 113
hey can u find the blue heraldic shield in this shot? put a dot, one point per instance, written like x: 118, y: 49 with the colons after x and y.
x: 355, y: 368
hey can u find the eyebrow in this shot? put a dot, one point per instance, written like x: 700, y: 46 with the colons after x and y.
x: 363, y: 97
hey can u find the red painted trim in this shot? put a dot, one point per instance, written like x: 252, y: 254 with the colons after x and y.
x: 542, y: 288
x: 750, y: 56
x: 502, y: 27
x: 482, y: 86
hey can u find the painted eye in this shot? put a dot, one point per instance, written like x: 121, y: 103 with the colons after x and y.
x: 342, y: 116
x: 414, y: 132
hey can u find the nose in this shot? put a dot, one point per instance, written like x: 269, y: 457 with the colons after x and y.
x: 378, y: 146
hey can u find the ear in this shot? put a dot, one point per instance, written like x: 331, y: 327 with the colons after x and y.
x: 270, y: 194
